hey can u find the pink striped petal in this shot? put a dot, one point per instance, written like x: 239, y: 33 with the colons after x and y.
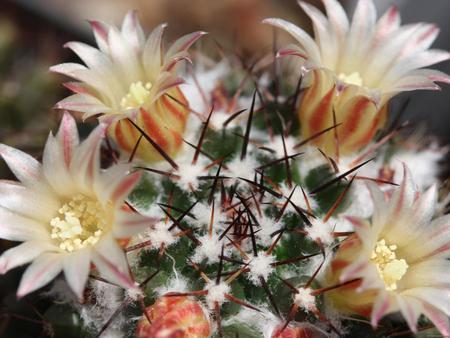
x: 23, y: 254
x: 132, y: 31
x: 87, y: 104
x: 100, y: 30
x: 152, y: 58
x: 76, y: 268
x: 128, y: 224
x: 24, y: 167
x: 111, y: 262
x: 14, y: 227
x: 411, y: 310
x: 439, y: 319
x: 44, y: 269
x: 183, y: 44
x: 337, y: 17
x: 26, y: 202
x: 303, y: 38
x: 389, y: 22
x: 380, y: 308
x: 85, y: 166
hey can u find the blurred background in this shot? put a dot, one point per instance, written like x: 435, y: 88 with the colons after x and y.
x: 32, y: 33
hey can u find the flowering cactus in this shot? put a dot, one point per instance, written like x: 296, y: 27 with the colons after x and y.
x: 239, y: 232
x: 354, y: 69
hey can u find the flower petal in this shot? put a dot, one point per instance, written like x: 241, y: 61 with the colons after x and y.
x: 440, y: 320
x: 100, y: 30
x: 76, y: 267
x: 45, y: 268
x: 411, y: 310
x: 14, y: 227
x: 183, y: 44
x: 111, y: 262
x: 437, y: 297
x: 381, y: 307
x: 23, y: 254
x: 128, y: 224
x: 25, y: 168
x: 300, y: 35
x: 337, y: 17
x: 85, y: 103
x: 27, y: 202
x: 132, y: 31
x: 85, y: 166
x: 151, y: 57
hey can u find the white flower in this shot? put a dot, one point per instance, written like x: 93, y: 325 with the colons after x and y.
x: 354, y: 68
x: 126, y: 72
x: 402, y: 257
x: 68, y: 212
x: 129, y: 77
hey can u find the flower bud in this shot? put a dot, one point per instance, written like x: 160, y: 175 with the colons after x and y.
x: 174, y: 317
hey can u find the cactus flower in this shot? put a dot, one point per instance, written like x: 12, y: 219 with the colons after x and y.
x: 131, y: 77
x: 68, y: 212
x: 354, y: 69
x: 398, y: 261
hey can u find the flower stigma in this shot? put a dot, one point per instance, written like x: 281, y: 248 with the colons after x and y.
x: 82, y: 222
x: 390, y: 268
x: 137, y: 95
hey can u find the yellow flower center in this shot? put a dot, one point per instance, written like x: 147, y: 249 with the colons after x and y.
x: 81, y: 222
x: 390, y: 268
x: 137, y: 95
x: 353, y: 78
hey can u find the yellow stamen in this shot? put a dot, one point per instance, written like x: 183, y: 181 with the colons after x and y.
x: 353, y: 78
x: 137, y: 95
x: 390, y: 268
x: 82, y: 223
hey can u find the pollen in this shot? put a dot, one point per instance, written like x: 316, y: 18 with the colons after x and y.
x: 137, y: 95
x: 390, y: 268
x: 80, y: 223
x: 353, y: 78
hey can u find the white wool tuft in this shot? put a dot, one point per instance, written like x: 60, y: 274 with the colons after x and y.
x: 218, y: 118
x: 189, y: 174
x: 216, y: 293
x: 277, y: 145
x: 202, y: 214
x: 177, y: 284
x: 209, y: 249
x: 311, y: 159
x: 425, y: 164
x: 159, y: 235
x: 267, y: 227
x: 320, y: 231
x: 260, y: 266
x: 305, y: 299
x: 361, y: 203
x: 297, y: 198
x: 243, y: 168
x: 107, y: 298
